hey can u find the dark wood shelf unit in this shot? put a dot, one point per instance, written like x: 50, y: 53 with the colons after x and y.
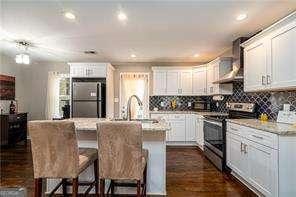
x: 13, y: 128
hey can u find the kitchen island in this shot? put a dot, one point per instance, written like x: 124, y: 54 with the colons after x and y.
x: 154, y: 139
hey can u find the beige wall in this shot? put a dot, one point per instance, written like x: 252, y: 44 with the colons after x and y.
x: 139, y: 67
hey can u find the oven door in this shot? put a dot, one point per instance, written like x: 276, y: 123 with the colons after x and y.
x: 213, y: 136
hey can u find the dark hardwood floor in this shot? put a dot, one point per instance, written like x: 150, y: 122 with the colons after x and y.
x: 189, y: 173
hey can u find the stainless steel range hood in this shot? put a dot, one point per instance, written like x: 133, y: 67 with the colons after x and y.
x: 237, y: 65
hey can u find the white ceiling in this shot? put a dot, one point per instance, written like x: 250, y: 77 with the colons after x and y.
x: 156, y: 31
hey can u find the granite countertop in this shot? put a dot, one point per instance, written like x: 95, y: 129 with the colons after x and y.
x: 90, y: 124
x: 272, y: 127
x: 202, y: 113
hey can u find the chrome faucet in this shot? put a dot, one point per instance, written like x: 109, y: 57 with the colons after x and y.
x: 128, y: 117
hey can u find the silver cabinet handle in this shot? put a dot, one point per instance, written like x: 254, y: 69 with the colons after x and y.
x: 268, y: 81
x: 245, y: 148
x: 262, y: 80
x: 241, y: 146
x: 258, y: 137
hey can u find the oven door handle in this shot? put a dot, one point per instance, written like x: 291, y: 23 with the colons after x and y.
x: 212, y: 122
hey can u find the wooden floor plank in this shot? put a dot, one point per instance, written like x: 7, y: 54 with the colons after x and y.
x: 189, y: 173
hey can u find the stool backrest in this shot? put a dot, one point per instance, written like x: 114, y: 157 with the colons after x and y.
x: 54, y: 149
x: 120, y: 149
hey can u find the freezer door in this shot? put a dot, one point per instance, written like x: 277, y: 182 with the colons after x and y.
x: 85, y: 109
x: 85, y: 90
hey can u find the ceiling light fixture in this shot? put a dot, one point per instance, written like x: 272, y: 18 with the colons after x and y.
x: 241, y: 17
x: 69, y: 15
x: 122, y: 16
x: 196, y: 55
x: 23, y: 58
x: 133, y: 56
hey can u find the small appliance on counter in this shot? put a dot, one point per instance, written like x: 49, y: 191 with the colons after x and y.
x: 201, y: 106
x: 215, y: 131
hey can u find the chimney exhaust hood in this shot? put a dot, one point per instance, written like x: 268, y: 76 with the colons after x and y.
x: 237, y: 65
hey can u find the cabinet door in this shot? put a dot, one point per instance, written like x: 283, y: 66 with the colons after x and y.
x: 199, y: 132
x: 177, y: 132
x: 282, y: 72
x: 199, y: 81
x: 262, y: 163
x: 216, y: 87
x: 96, y: 71
x: 236, y: 158
x: 255, y: 66
x: 190, y: 128
x: 77, y: 71
x: 186, y: 82
x: 172, y: 83
x: 210, y: 79
x: 159, y: 82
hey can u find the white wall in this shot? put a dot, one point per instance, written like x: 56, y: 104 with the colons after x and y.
x: 9, y: 67
x: 31, y: 84
x: 36, y: 85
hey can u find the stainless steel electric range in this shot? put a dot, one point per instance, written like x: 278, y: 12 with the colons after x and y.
x: 215, y: 131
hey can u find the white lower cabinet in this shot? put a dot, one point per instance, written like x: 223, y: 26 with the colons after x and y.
x: 183, y: 128
x: 254, y: 157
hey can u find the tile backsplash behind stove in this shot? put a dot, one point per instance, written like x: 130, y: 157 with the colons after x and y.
x: 268, y: 102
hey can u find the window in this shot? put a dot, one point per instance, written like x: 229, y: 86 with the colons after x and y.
x: 64, y: 95
x: 134, y: 84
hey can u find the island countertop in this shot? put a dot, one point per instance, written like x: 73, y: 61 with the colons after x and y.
x: 272, y: 127
x: 90, y: 124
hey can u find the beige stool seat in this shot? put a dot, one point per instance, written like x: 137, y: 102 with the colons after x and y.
x: 87, y: 156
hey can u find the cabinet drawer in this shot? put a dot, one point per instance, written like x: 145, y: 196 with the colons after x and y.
x: 255, y: 135
x: 17, y: 117
x: 262, y: 137
x: 158, y: 116
x: 178, y: 117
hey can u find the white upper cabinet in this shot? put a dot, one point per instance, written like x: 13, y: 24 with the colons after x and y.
x: 199, y: 80
x: 255, y: 66
x: 216, y: 69
x: 185, y: 84
x: 210, y: 79
x: 282, y: 72
x: 88, y: 70
x: 270, y: 61
x: 172, y: 81
x: 159, y: 82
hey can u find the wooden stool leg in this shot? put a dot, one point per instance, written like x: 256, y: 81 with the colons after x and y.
x: 75, y: 187
x: 138, y: 188
x: 96, y: 177
x: 38, y: 187
x: 102, y: 187
x: 145, y: 181
x: 112, y: 187
x: 64, y: 184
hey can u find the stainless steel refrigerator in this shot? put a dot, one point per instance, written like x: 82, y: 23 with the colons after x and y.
x: 88, y: 99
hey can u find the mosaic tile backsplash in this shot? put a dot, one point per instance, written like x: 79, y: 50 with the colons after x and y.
x: 268, y: 102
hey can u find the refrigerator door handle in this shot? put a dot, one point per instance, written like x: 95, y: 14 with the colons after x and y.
x: 99, y: 100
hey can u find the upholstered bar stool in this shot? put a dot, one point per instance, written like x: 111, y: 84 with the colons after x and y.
x: 121, y: 156
x: 56, y: 154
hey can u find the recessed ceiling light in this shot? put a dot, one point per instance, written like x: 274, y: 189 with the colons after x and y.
x: 241, y: 17
x: 69, y: 15
x: 196, y: 55
x: 133, y: 55
x: 122, y: 16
